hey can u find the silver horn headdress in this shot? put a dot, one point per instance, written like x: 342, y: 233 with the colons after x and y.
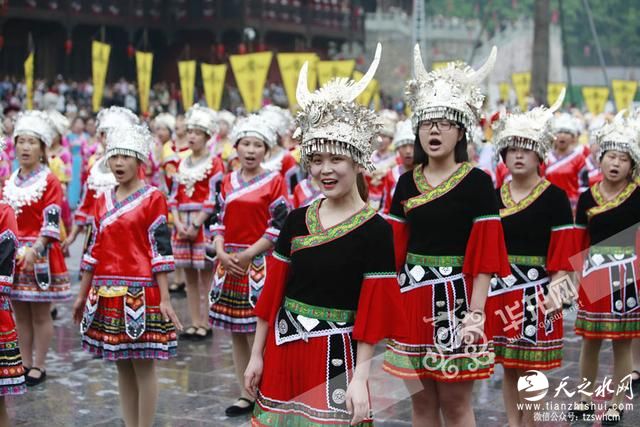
x: 532, y: 130
x: 330, y: 119
x: 622, y: 135
x: 451, y: 93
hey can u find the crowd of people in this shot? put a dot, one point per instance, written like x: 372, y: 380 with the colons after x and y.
x: 312, y: 239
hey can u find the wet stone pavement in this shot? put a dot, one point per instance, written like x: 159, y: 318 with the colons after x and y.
x: 197, y: 386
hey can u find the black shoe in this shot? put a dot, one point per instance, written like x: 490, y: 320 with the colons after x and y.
x: 177, y: 288
x: 612, y: 416
x: 235, y: 410
x: 189, y: 333
x: 32, y: 381
x: 201, y: 334
x: 586, y: 408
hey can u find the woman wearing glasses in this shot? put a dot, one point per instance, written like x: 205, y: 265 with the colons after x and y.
x: 448, y: 242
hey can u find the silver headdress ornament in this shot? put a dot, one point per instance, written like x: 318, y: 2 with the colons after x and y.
x: 279, y: 118
x: 531, y: 130
x: 202, y: 118
x: 451, y: 93
x: 226, y: 116
x: 621, y: 135
x: 132, y: 140
x: 565, y: 123
x: 37, y: 124
x: 113, y: 117
x: 404, y: 134
x: 167, y: 120
x: 60, y: 122
x: 255, y: 126
x: 596, y: 123
x: 50, y: 101
x: 330, y: 120
x: 388, y: 120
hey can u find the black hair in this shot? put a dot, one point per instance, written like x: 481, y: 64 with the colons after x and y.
x: 459, y: 152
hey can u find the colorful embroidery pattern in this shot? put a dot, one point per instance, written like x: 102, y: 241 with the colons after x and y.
x: 512, y: 207
x: 531, y: 260
x: 604, y: 205
x: 435, y: 260
x: 439, y: 191
x: 320, y: 313
x: 319, y: 236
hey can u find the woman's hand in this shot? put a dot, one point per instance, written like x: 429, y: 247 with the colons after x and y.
x: 253, y: 375
x: 180, y: 229
x: 168, y: 314
x: 357, y: 400
x: 78, y: 310
x: 191, y: 233
x: 242, y: 261
x: 472, y: 327
x: 229, y: 264
x: 28, y: 259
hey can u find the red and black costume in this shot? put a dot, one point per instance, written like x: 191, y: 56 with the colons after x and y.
x: 319, y: 303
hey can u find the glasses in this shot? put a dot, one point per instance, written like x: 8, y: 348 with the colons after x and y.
x: 441, y: 125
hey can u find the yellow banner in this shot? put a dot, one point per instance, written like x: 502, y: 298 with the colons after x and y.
x: 595, y: 98
x: 504, y: 89
x: 251, y: 72
x: 187, y: 72
x: 624, y: 91
x: 99, y: 65
x: 522, y: 86
x: 436, y: 65
x: 553, y: 92
x: 327, y: 70
x: 213, y: 78
x: 290, y: 65
x: 366, y: 96
x: 144, y: 65
x: 28, y: 79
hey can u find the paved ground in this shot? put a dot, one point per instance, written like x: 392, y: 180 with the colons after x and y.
x: 199, y: 384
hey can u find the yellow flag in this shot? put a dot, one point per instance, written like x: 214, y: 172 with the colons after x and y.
x: 144, y: 65
x: 504, y: 89
x: 436, y: 65
x: 251, y: 72
x: 522, y: 85
x: 290, y: 65
x: 99, y: 65
x: 28, y: 79
x: 623, y: 93
x: 327, y: 70
x: 595, y: 97
x: 187, y: 72
x: 553, y: 92
x: 213, y: 78
x: 366, y: 96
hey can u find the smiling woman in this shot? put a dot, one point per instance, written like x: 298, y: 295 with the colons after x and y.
x: 331, y: 293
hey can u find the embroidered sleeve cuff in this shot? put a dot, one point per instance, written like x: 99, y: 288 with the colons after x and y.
x: 208, y: 207
x: 80, y: 218
x: 5, y: 284
x: 51, y: 232
x: 162, y: 264
x: 217, y: 230
x: 271, y: 234
x: 88, y: 263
